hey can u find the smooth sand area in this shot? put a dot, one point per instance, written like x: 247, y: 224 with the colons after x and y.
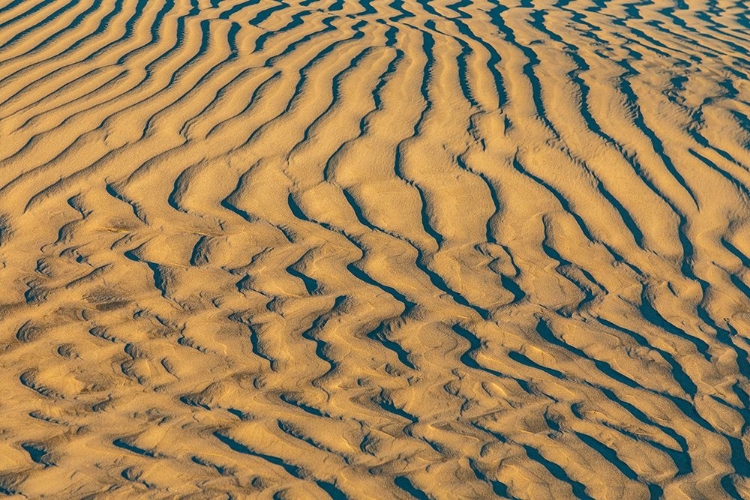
x: 374, y: 249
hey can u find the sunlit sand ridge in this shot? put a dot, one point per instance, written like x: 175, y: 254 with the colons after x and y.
x: 375, y: 249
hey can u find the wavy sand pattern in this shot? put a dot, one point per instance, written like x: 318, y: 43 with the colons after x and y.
x: 375, y: 249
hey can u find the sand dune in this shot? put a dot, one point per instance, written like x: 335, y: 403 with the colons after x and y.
x: 375, y: 249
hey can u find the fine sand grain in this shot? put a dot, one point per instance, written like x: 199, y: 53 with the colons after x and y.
x: 371, y: 249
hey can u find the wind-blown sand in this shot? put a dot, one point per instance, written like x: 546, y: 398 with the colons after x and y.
x: 375, y: 249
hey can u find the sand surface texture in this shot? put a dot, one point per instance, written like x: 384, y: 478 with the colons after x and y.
x: 374, y: 249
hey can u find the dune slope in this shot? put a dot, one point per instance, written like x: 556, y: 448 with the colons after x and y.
x: 375, y: 249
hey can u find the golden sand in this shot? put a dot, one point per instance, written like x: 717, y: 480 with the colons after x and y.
x: 375, y: 249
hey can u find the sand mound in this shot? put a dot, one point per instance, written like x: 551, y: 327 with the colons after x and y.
x: 374, y: 249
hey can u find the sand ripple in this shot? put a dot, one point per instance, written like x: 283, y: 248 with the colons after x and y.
x: 375, y: 249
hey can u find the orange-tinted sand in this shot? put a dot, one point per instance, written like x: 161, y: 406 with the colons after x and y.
x: 374, y: 249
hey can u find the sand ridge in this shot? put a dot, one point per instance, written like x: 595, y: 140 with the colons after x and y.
x: 374, y: 249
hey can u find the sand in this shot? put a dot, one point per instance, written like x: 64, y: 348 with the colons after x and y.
x: 374, y: 249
